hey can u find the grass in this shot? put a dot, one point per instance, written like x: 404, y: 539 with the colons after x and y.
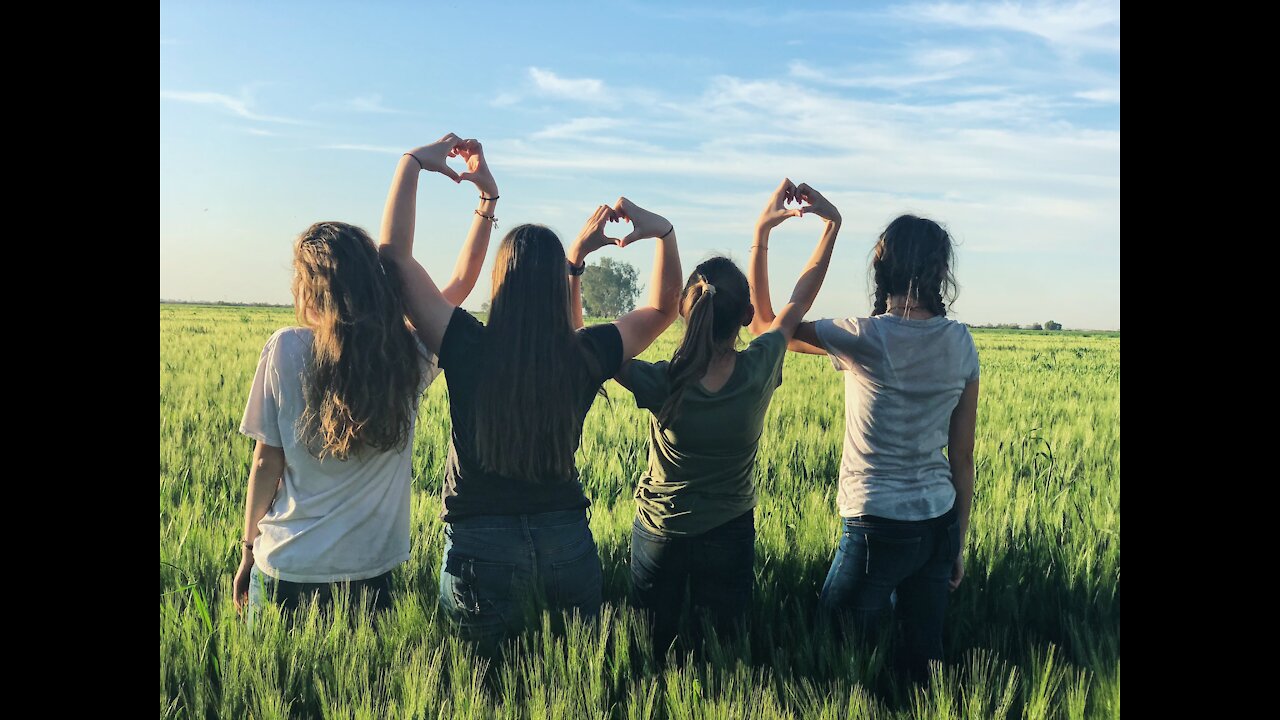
x: 1034, y: 631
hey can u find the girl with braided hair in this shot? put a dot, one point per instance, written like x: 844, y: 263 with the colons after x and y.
x: 695, y: 522
x: 911, y: 389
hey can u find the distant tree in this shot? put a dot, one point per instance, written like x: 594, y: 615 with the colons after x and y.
x: 1034, y: 326
x: 1051, y: 325
x: 609, y: 289
x: 484, y: 307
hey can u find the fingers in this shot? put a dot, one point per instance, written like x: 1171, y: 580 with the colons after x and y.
x: 631, y: 237
x: 623, y: 207
x: 449, y: 173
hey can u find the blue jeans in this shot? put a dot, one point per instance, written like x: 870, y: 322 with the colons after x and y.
x: 877, y: 555
x: 499, y: 571
x: 263, y: 589
x: 717, y: 568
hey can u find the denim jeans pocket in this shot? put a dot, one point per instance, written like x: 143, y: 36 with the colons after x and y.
x: 891, y: 558
x: 577, y: 582
x: 480, y: 587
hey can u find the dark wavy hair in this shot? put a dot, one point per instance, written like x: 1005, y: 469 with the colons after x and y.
x: 360, y: 386
x: 712, y: 320
x: 533, y: 363
x: 914, y: 257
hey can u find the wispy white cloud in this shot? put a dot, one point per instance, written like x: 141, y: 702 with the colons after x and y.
x: 943, y: 57
x: 381, y: 149
x: 236, y: 106
x: 258, y: 131
x: 369, y: 104
x: 1102, y: 95
x: 585, y: 89
x: 855, y: 78
x: 1085, y: 25
x: 578, y: 128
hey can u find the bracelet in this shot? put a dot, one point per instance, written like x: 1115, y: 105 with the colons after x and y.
x: 664, y: 235
x: 759, y: 245
x: 415, y: 158
x: 247, y: 543
x: 495, y: 197
x: 490, y: 218
x: 576, y: 270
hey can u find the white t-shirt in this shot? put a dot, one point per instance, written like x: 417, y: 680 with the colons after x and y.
x: 903, y: 379
x: 331, y: 519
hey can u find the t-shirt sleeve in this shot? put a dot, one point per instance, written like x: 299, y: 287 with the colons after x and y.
x: 648, y: 382
x: 604, y: 342
x: 429, y: 363
x: 261, y: 419
x: 768, y: 351
x: 459, y: 339
x: 840, y: 338
x: 973, y: 358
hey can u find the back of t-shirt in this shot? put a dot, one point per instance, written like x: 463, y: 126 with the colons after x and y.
x: 471, y: 490
x: 701, y: 470
x: 903, y: 379
x: 331, y: 519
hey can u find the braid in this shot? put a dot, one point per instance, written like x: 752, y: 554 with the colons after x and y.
x: 939, y: 307
x: 882, y: 289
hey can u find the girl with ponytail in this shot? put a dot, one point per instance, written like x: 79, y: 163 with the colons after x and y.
x: 695, y: 523
x: 911, y: 389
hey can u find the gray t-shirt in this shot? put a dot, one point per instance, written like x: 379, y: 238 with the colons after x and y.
x: 903, y: 379
x: 331, y: 519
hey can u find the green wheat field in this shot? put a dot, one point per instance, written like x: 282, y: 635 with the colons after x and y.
x: 1033, y: 632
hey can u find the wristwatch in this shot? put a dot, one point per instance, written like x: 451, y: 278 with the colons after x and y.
x: 577, y: 269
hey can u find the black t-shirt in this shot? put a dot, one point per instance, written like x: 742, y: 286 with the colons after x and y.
x: 468, y: 488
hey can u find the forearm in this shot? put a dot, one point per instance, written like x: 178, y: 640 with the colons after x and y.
x: 962, y: 476
x: 758, y: 279
x: 264, y: 479
x: 815, y: 271
x: 400, y: 213
x: 664, y: 285
x: 466, y: 271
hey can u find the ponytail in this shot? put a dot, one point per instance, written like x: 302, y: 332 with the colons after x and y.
x: 696, y: 350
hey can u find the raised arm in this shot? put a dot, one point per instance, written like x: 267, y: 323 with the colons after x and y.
x: 426, y: 306
x: 964, y: 422
x: 471, y: 258
x: 264, y: 477
x: 806, y: 288
x: 640, y: 327
x: 590, y: 239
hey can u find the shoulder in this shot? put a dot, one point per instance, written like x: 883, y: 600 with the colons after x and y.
x: 643, y: 369
x: 605, y: 342
x: 464, y: 329
x: 289, y: 342
x: 604, y: 332
x: 768, y: 343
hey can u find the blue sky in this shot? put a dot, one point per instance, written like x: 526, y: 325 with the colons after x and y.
x: 1000, y: 120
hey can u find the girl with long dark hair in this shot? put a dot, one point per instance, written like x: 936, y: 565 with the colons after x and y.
x: 695, y: 517
x: 333, y: 407
x: 520, y: 387
x: 911, y: 390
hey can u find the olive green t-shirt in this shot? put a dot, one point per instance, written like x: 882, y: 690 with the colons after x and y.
x: 701, y: 469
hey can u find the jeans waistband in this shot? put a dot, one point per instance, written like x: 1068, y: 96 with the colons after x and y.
x: 943, y: 519
x: 547, y: 519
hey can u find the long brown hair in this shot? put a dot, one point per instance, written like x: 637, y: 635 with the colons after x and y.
x: 716, y: 297
x: 914, y: 258
x: 360, y: 386
x: 533, y: 363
